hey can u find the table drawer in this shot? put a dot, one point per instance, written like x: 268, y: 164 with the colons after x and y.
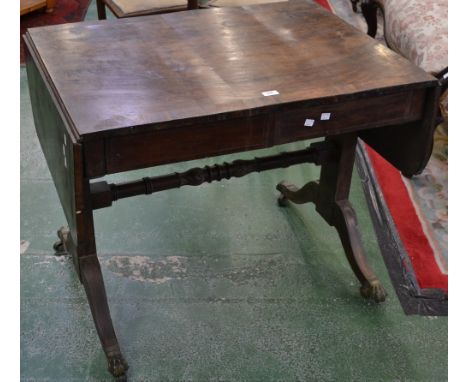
x: 185, y: 143
x: 353, y: 115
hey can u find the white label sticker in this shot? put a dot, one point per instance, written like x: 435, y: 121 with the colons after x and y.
x: 325, y: 116
x: 309, y: 122
x: 270, y: 93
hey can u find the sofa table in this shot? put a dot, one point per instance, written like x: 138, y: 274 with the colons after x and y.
x: 114, y: 96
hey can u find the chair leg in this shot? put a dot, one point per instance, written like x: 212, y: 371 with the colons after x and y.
x: 101, y: 9
x: 369, y: 11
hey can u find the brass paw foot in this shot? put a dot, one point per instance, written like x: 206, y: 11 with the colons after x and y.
x: 60, y: 246
x: 117, y: 366
x: 374, y: 290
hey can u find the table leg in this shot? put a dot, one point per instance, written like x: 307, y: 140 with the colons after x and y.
x: 89, y: 272
x: 354, y: 4
x: 93, y: 283
x: 330, y: 195
x: 369, y: 11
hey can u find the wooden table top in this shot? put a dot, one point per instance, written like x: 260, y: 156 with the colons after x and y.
x: 122, y: 76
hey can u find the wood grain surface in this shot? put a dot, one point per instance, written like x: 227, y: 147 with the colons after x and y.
x: 126, y: 76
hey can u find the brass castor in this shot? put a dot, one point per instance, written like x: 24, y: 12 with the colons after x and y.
x: 118, y: 367
x: 374, y: 290
x: 60, y: 246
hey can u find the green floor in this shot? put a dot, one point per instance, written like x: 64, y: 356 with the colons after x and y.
x: 213, y: 283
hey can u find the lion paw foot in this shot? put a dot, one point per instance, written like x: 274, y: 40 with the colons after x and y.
x: 374, y: 290
x: 117, y: 366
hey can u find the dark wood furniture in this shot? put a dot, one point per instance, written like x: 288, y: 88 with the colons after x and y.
x: 354, y: 4
x: 153, y: 7
x: 136, y: 93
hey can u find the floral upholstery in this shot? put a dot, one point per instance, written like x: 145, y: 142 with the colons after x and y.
x: 418, y: 30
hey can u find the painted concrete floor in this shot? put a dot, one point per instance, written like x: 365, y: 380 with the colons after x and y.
x: 212, y: 283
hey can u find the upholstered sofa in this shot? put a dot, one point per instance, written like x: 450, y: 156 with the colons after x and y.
x: 416, y: 29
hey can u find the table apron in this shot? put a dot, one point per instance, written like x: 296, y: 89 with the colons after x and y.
x: 178, y: 144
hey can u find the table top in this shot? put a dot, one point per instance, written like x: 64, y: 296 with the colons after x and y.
x: 198, y: 66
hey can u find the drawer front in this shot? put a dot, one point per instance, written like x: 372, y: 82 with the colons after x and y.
x: 354, y: 115
x: 185, y: 143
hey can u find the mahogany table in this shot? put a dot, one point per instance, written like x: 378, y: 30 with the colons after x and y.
x: 113, y: 96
